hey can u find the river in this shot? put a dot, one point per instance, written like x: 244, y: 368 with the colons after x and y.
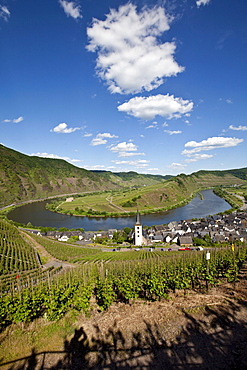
x: 38, y: 215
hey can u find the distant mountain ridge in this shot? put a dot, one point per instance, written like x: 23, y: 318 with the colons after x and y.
x: 24, y: 177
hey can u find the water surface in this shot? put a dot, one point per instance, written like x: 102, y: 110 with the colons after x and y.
x: 38, y: 215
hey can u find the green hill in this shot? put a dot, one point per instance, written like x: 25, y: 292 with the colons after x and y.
x: 24, y: 177
x: 132, y: 178
x: 161, y: 196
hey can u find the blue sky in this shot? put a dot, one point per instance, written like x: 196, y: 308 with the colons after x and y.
x: 153, y: 87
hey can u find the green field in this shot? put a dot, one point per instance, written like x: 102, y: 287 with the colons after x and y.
x: 147, y: 199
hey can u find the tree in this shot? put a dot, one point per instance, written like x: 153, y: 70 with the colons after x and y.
x: 119, y: 237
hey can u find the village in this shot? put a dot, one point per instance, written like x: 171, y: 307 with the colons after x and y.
x: 172, y: 236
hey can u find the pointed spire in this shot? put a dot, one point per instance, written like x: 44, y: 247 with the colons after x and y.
x: 138, y: 217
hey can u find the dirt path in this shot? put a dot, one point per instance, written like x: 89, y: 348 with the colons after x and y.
x: 50, y: 260
x: 109, y: 199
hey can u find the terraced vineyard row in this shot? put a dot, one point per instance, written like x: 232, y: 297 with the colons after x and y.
x: 15, y: 253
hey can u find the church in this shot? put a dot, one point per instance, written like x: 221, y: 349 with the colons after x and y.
x: 139, y: 238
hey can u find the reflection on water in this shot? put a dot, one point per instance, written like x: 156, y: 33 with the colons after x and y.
x: 38, y: 215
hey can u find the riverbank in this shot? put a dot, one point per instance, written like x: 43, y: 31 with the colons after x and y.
x: 38, y: 215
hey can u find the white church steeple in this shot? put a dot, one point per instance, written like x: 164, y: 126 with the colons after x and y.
x: 138, y: 230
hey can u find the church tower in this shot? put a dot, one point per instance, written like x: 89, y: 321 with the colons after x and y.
x: 138, y: 230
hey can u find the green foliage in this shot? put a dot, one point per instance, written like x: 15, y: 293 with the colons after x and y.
x: 16, y: 254
x: 104, y: 293
x: 150, y: 279
x: 120, y: 237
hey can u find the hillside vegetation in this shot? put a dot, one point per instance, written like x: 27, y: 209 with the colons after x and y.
x: 24, y: 177
x: 154, y: 198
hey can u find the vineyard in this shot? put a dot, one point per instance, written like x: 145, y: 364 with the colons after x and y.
x: 27, y: 291
x: 65, y: 252
x: 15, y: 253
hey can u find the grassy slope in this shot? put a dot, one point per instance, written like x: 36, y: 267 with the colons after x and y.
x: 161, y: 196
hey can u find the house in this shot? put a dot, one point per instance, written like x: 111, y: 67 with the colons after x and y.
x: 63, y: 238
x: 219, y: 238
x: 157, y: 238
x: 185, y: 240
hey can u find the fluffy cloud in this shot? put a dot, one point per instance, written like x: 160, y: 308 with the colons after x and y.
x: 124, y: 147
x: 202, y: 2
x: 239, y: 128
x: 210, y: 144
x: 62, y: 128
x: 4, y: 12
x: 54, y: 156
x: 130, y: 57
x: 15, y: 120
x: 100, y: 139
x: 173, y: 132
x: 71, y: 9
x: 139, y: 163
x: 157, y: 105
x: 198, y: 157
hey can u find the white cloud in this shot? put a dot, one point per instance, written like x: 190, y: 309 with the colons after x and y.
x: 153, y: 125
x: 54, y: 156
x: 130, y: 57
x: 99, y: 167
x: 100, y: 139
x: 177, y: 166
x: 87, y: 134
x: 18, y: 120
x: 129, y: 154
x: 198, y: 157
x: 239, y: 128
x: 71, y: 9
x: 210, y: 144
x: 228, y: 101
x: 202, y: 2
x: 124, y: 147
x: 4, y: 13
x: 15, y: 120
x: 173, y: 132
x: 139, y: 163
x: 157, y: 105
x: 62, y: 128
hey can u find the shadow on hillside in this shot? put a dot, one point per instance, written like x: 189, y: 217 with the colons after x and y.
x: 218, y: 340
